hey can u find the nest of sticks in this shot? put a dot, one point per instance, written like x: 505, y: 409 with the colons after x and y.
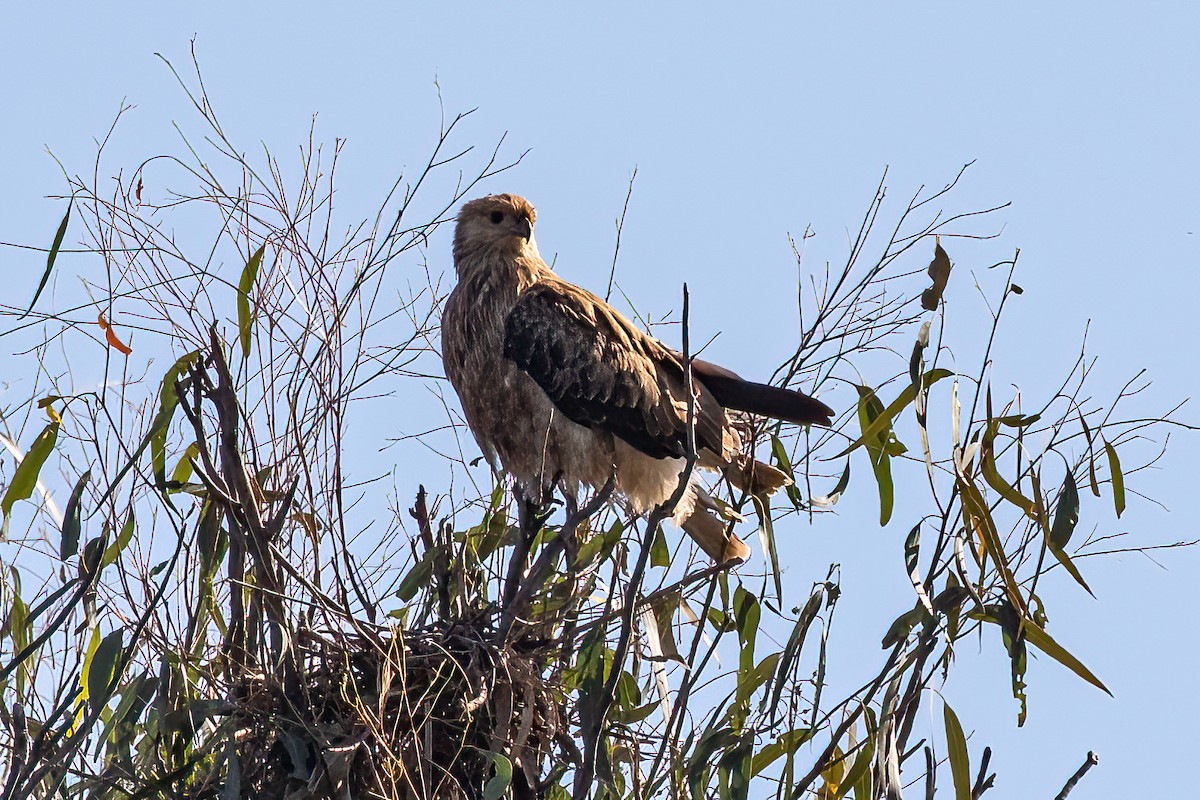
x: 434, y: 713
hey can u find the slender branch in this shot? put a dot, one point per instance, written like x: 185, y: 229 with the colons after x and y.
x: 983, y: 780
x: 1089, y: 762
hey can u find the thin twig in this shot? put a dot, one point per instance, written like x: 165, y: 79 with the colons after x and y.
x: 983, y: 779
x: 1089, y: 762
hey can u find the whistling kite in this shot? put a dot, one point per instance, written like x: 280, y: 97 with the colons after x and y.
x: 557, y: 385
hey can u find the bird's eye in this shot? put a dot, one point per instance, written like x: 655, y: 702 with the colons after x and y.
x: 497, y: 217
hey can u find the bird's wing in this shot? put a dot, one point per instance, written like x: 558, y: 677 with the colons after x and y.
x: 603, y: 373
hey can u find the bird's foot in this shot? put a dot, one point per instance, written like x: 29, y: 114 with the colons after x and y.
x: 532, y: 514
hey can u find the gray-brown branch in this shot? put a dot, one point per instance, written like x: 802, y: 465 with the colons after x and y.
x: 1089, y: 762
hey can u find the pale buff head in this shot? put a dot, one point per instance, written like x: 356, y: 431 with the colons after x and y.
x: 499, y: 224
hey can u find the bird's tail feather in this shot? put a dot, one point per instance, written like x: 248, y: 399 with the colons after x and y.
x: 775, y: 402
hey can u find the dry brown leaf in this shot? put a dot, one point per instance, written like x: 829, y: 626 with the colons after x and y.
x: 939, y: 271
x: 111, y: 336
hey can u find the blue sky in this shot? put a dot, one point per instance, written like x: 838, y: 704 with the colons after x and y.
x: 745, y: 127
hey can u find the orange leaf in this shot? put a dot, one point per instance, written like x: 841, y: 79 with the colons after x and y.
x: 111, y: 336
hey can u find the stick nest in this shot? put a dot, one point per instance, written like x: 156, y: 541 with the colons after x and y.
x: 433, y: 713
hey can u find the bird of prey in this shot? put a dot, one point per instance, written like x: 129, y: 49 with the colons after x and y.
x: 558, y: 387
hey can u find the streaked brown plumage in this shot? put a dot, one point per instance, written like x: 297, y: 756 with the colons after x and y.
x: 557, y: 385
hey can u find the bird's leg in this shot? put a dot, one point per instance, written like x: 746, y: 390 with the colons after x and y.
x: 548, y: 489
x: 571, y: 552
x: 570, y: 500
x: 527, y: 585
x: 531, y: 516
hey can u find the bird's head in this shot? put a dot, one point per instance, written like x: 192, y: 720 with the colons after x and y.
x: 500, y: 223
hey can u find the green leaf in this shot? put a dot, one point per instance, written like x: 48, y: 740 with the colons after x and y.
x: 115, y: 548
x: 660, y: 556
x: 51, y: 599
x: 883, y: 422
x: 1069, y: 495
x: 788, y: 742
x: 1087, y: 434
x: 591, y: 669
x: 168, y: 400
x: 780, y: 456
x: 51, y: 257
x: 858, y: 777
x: 766, y: 536
x: 626, y: 693
x: 25, y: 476
x: 499, y: 783
x: 912, y: 545
x: 493, y: 531
x: 912, y: 551
x: 949, y: 602
x: 838, y: 490
x: 638, y: 713
x: 795, y: 642
x: 1034, y: 634
x: 187, y: 719
x: 870, y: 411
x: 956, y: 747
x: 1038, y: 637
x: 747, y: 612
x: 660, y: 630
x: 212, y: 541
x: 185, y: 466
x: 980, y: 518
x: 698, y: 768
x: 89, y: 653
x: 887, y: 490
x: 719, y: 620
x: 245, y: 318
x: 102, y: 670
x: 1067, y: 513
x: 20, y: 628
x: 69, y: 544
x: 1013, y: 636
x: 1018, y: 420
x: 749, y: 681
x: 93, y: 553
x: 135, y: 695
x: 1068, y: 565
x: 1118, y: 479
x: 902, y: 625
x: 917, y: 359
x: 987, y: 466
x: 843, y: 481
x: 600, y: 545
x: 418, y: 576
x: 833, y: 774
x: 734, y: 767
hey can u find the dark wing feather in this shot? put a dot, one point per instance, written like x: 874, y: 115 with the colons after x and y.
x: 603, y: 373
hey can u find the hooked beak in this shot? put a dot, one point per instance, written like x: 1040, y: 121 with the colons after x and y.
x: 523, y: 229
